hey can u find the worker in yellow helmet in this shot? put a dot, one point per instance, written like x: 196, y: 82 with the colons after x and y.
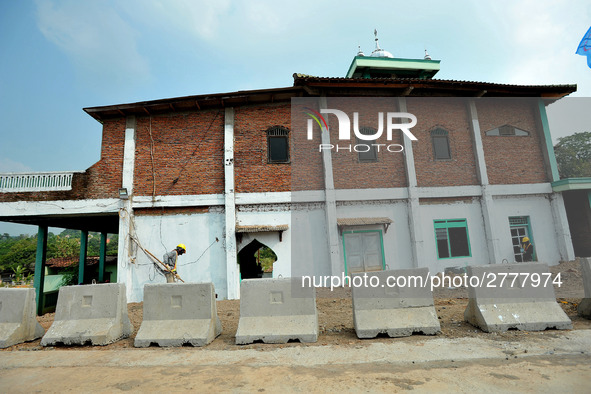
x: 527, y: 249
x: 170, y: 260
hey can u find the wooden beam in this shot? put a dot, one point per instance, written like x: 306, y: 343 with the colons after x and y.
x: 407, y: 91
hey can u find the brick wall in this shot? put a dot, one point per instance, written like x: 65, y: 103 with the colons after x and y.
x: 511, y: 159
x: 449, y: 114
x: 351, y: 173
x: 183, y: 156
x: 307, y: 170
x: 252, y: 172
x: 183, y: 153
x: 105, y: 176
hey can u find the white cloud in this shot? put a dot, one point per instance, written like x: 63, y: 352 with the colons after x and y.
x: 98, y: 41
x: 8, y: 165
x: 200, y: 19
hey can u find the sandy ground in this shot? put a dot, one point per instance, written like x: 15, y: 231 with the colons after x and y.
x: 460, y: 359
x: 335, y: 315
x: 558, y: 363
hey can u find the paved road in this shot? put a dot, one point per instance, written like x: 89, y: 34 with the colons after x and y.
x: 560, y: 362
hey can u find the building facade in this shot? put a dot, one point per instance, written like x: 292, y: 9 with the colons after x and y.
x: 225, y: 174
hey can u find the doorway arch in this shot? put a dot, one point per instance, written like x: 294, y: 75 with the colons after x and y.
x: 251, y: 266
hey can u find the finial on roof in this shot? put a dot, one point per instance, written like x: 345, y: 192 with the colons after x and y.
x: 379, y: 52
x: 427, y: 56
x: 375, y: 33
x: 360, y: 52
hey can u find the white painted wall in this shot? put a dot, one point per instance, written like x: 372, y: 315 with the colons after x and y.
x: 542, y: 226
x: 161, y: 234
x: 309, y: 242
x: 397, y: 251
x: 470, y: 211
x: 271, y: 239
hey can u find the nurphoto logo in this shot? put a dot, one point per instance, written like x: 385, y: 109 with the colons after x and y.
x: 344, y: 123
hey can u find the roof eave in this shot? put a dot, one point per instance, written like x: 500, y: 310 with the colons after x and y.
x: 197, y: 102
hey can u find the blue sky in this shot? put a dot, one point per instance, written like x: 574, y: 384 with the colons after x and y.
x: 59, y: 56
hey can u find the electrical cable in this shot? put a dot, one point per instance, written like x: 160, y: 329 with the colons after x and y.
x: 199, y: 258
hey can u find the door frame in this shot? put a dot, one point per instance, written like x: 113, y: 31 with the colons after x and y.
x: 363, y: 231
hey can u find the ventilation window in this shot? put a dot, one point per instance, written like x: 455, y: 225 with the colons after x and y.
x: 507, y: 130
x: 278, y: 145
x: 451, y: 237
x: 368, y: 152
x: 440, y: 139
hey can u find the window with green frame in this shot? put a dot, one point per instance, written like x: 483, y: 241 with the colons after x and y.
x: 451, y: 237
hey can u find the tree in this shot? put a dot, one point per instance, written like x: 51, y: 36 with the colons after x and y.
x: 18, y: 252
x: 573, y: 154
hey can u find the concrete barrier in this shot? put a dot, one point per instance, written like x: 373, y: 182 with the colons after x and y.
x: 89, y: 313
x: 398, y: 311
x: 584, y: 307
x: 509, y: 298
x: 18, y: 317
x: 179, y: 313
x: 276, y: 311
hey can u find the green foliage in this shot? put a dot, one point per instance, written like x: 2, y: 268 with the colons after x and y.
x: 266, y: 258
x: 71, y: 238
x: 21, y: 251
x: 18, y: 251
x: 60, y: 246
x: 70, y: 276
x: 573, y: 154
x: 19, y: 273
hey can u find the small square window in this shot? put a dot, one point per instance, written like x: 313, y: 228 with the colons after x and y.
x: 441, y: 148
x: 367, y: 152
x: 440, y: 140
x: 452, y: 238
x: 278, y: 145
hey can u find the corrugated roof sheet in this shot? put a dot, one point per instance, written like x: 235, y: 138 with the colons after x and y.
x: 363, y: 221
x: 61, y: 262
x: 306, y: 77
x: 261, y: 228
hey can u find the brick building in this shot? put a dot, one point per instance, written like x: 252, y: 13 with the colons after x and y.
x: 227, y: 173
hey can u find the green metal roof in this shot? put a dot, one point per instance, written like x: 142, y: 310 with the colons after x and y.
x: 363, y: 66
x: 52, y: 283
x: 572, y: 184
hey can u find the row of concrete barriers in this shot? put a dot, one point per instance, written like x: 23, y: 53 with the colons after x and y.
x: 277, y: 310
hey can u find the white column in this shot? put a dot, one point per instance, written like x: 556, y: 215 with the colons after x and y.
x: 487, y: 204
x: 562, y: 231
x: 413, y: 206
x: 126, y: 250
x: 336, y: 266
x: 232, y: 270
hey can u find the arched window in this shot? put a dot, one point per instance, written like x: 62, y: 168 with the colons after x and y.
x: 278, y: 145
x: 440, y: 139
x: 368, y: 152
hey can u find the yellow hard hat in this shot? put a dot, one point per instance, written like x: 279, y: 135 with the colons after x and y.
x: 525, y: 239
x: 181, y: 246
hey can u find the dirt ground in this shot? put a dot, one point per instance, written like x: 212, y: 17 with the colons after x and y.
x: 335, y: 315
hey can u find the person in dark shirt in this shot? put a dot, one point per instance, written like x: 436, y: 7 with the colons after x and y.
x: 170, y: 260
x: 528, y: 249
